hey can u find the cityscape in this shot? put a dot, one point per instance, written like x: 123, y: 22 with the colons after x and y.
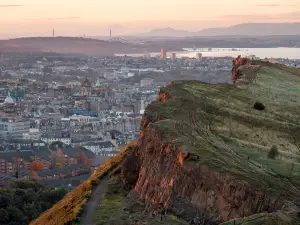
x: 71, y: 113
x: 149, y: 112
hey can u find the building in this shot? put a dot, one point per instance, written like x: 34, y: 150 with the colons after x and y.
x: 13, y: 128
x: 15, y: 161
x: 163, y: 54
x: 56, y: 137
x: 80, y: 119
x: 82, y: 112
x: 99, y: 147
x: 173, y: 56
x: 146, y: 82
x: 199, y: 56
x: 86, y: 88
x: 70, y: 156
x: 59, y: 173
x: 21, y: 144
x: 33, y: 134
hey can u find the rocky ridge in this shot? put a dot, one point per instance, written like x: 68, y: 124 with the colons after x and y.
x: 196, y: 150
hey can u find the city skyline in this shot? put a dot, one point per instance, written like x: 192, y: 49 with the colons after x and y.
x: 76, y: 18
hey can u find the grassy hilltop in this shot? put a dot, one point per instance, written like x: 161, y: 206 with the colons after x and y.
x: 221, y: 127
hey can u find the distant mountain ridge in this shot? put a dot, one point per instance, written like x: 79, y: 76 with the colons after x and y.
x: 163, y: 32
x: 245, y: 29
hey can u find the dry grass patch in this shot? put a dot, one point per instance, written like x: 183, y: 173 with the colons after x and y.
x: 67, y: 210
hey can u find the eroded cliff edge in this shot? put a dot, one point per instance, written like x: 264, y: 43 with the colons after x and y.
x: 204, y: 149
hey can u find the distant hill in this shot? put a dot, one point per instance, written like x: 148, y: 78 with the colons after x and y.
x: 246, y: 29
x: 71, y: 45
x: 254, y: 29
x: 166, y: 32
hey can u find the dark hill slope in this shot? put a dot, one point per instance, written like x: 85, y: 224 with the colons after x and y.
x: 69, y: 45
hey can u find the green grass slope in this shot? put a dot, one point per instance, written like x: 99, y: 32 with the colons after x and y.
x: 118, y: 207
x: 219, y: 125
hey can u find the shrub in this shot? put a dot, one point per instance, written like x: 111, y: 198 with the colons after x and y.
x: 259, y: 106
x: 273, y: 153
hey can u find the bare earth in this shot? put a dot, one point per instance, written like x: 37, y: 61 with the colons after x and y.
x: 94, y: 201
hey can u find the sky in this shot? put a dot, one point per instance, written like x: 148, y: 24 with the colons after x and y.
x: 96, y: 17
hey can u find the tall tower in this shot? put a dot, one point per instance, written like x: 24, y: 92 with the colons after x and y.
x: 142, y: 104
x: 163, y: 54
x: 173, y: 56
x: 53, y: 33
x: 110, y: 34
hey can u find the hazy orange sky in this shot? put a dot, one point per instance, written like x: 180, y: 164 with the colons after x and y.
x: 95, y: 17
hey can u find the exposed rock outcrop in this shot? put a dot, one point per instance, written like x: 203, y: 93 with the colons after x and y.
x: 236, y: 63
x: 173, y: 174
x: 163, y: 176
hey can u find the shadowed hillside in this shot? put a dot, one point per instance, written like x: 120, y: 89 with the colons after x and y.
x: 68, y: 45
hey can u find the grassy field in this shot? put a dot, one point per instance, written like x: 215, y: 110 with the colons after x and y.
x: 117, y: 209
x: 219, y: 124
x: 264, y: 219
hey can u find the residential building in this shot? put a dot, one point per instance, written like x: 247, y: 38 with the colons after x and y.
x: 13, y: 128
x: 173, y: 56
x: 99, y: 147
x: 33, y: 134
x: 58, y: 173
x: 54, y: 137
x: 14, y: 161
x: 70, y: 156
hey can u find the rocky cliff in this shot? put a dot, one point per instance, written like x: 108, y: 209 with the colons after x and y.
x: 203, y: 149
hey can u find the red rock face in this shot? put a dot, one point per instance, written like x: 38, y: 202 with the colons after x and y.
x: 162, y: 175
x: 239, y: 61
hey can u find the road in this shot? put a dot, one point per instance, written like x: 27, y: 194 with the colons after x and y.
x: 94, y: 202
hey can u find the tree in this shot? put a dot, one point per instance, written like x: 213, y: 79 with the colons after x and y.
x: 25, y: 200
x: 30, y: 211
x: 58, y: 165
x: 85, y: 171
x: 259, y: 106
x: 36, y: 166
x: 273, y: 153
x: 16, y: 214
x: 4, y: 216
x: 4, y: 201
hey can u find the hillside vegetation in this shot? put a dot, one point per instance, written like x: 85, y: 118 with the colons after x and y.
x: 68, y: 210
x: 23, y: 201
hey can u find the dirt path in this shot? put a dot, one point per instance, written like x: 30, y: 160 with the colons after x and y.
x: 94, y: 201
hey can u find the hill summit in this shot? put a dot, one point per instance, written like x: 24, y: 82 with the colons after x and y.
x: 207, y: 154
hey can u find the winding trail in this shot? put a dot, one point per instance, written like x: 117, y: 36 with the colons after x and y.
x: 94, y: 202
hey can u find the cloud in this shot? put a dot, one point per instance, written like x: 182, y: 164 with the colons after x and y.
x: 275, y: 5
x: 9, y: 6
x: 286, y: 17
x: 268, y: 5
x: 57, y: 18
